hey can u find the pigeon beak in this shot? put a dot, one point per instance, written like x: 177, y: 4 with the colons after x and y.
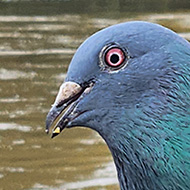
x: 70, y: 93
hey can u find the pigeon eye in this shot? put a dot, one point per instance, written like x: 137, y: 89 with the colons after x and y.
x: 114, y: 57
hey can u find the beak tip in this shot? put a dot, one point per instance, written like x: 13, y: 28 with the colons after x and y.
x: 47, y: 131
x: 56, y: 132
x: 54, y: 135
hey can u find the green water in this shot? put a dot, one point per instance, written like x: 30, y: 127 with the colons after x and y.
x: 37, y: 42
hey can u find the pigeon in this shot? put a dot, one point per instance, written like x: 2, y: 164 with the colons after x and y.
x: 130, y: 82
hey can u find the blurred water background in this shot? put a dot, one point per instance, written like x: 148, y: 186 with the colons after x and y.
x: 37, y: 42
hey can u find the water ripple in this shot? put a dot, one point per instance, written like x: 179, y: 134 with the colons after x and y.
x: 19, y: 142
x: 37, y: 52
x: 12, y: 100
x: 62, y: 18
x: 102, y: 177
x: 12, y: 170
x: 14, y: 74
x: 14, y: 126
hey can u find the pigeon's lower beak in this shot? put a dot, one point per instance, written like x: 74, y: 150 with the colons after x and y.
x: 59, y: 115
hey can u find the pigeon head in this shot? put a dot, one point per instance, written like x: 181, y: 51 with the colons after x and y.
x: 130, y: 83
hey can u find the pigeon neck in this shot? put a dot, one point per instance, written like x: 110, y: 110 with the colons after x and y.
x: 146, y: 162
x: 136, y: 159
x: 133, y: 172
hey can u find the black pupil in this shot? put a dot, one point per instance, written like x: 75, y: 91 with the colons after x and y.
x: 114, y: 58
